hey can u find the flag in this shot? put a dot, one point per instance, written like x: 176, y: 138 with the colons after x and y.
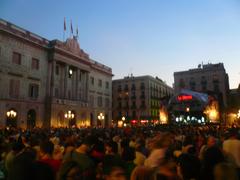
x: 64, y: 24
x: 77, y: 31
x: 71, y: 27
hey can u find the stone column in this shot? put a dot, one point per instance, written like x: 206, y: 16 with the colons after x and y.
x: 87, y: 87
x: 53, y: 77
x: 77, y: 84
x: 62, y: 84
x: 66, y: 81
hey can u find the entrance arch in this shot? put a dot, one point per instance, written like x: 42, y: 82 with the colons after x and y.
x: 11, y: 119
x: 31, y: 119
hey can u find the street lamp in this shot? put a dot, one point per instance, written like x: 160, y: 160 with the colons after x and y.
x: 11, y: 114
x: 69, y: 115
x: 238, y: 114
x: 123, y: 118
x: 101, y: 117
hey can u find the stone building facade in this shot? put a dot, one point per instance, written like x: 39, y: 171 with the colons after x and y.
x: 139, y: 98
x: 207, y: 78
x: 47, y: 83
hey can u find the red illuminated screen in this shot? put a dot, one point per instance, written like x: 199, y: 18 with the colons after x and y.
x: 184, y: 97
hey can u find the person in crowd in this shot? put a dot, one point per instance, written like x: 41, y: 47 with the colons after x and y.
x: 46, y: 155
x: 70, y: 170
x: 81, y: 156
x: 140, y: 157
x: 128, y: 155
x: 211, y: 158
x: 158, y: 147
x: 143, y: 173
x: 188, y: 167
x: 211, y: 141
x: 231, y: 147
x: 113, y: 168
x: 17, y: 148
x: 223, y: 171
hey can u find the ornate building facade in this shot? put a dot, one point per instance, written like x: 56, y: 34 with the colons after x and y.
x: 50, y: 83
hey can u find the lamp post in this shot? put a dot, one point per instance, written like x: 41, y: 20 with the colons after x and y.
x: 101, y: 117
x: 11, y: 115
x: 69, y: 115
x: 238, y: 114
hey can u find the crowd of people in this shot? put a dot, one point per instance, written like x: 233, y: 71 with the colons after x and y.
x: 134, y: 153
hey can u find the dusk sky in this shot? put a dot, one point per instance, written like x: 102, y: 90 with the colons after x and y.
x: 143, y: 37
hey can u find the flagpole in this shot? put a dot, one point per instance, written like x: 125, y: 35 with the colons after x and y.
x: 64, y: 29
x: 71, y: 30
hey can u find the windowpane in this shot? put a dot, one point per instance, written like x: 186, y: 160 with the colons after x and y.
x: 100, y: 83
x: 16, y: 58
x: 14, y: 87
x: 33, y: 91
x: 35, y: 63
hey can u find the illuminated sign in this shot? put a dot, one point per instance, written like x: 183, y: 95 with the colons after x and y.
x: 184, y: 97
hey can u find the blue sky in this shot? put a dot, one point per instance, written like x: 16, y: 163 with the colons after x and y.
x: 154, y: 37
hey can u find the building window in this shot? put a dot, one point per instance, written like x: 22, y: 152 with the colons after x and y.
x: 119, y: 105
x: 33, y: 91
x: 119, y: 88
x: 91, y: 101
x: 107, y: 85
x: 57, y: 69
x: 133, y: 87
x: 134, y: 104
x: 192, y: 84
x: 100, y: 101
x: 181, y: 84
x: 134, y: 114
x: 69, y: 94
x: 142, y: 86
x: 14, y: 87
x: 100, y: 83
x: 16, y: 58
x: 92, y: 80
x: 56, y: 93
x: 35, y: 63
x: 107, y: 103
x: 126, y: 87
